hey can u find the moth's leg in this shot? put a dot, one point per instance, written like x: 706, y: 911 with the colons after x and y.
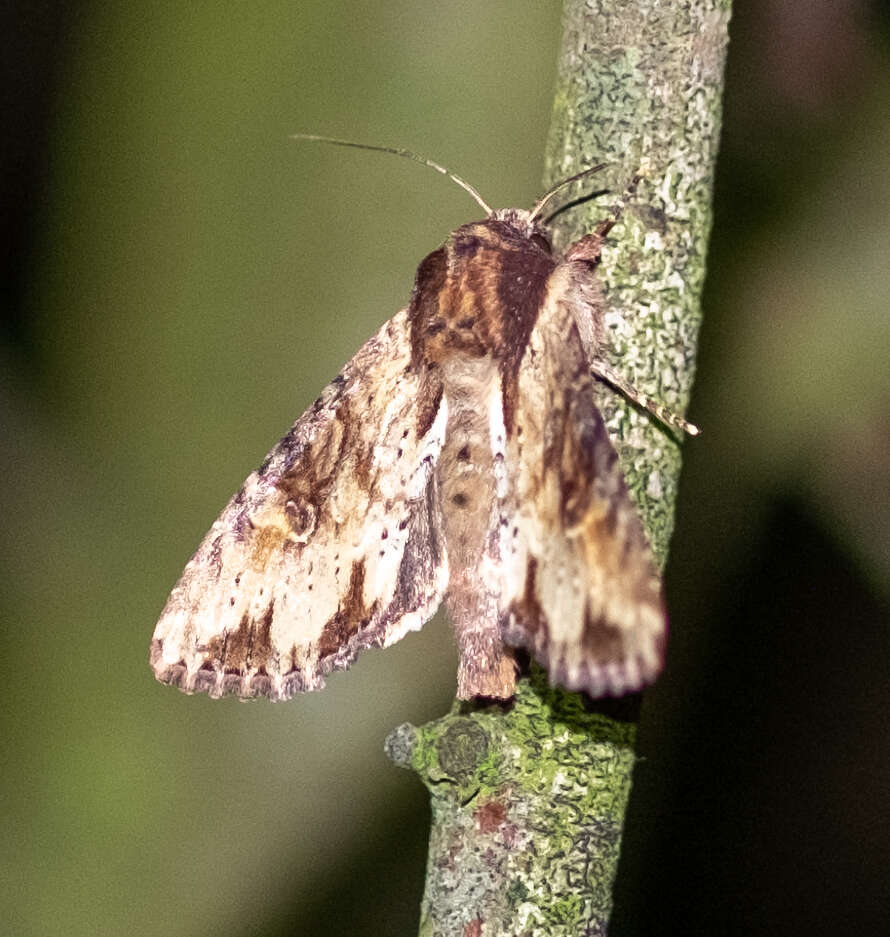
x: 606, y: 225
x: 589, y: 248
x: 601, y: 369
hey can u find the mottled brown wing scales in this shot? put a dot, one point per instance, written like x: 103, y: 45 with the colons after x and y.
x: 331, y: 546
x: 581, y: 591
x: 341, y: 540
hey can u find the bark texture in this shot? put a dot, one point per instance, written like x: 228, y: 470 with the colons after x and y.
x: 529, y: 799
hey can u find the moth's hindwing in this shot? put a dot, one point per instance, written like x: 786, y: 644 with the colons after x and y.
x: 580, y: 587
x: 333, y: 545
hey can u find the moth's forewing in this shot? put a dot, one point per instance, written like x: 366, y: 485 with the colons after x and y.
x: 330, y: 547
x: 581, y: 590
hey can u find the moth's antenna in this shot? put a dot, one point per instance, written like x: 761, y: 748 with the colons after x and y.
x: 539, y: 205
x: 398, y: 151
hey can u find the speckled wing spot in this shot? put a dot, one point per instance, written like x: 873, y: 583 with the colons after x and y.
x: 579, y: 586
x: 333, y: 545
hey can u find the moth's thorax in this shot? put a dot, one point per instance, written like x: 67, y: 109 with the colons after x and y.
x: 481, y: 292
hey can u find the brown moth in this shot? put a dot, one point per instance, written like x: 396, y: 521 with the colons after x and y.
x: 458, y: 457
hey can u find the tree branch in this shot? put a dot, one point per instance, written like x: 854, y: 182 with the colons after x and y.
x: 528, y: 799
x: 640, y: 84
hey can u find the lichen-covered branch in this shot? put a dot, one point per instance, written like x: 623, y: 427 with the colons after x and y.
x: 527, y: 802
x: 529, y: 798
x: 639, y: 85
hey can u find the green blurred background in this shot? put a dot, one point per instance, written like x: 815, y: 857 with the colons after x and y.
x: 180, y: 282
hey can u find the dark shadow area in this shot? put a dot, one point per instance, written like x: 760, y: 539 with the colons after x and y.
x: 768, y: 815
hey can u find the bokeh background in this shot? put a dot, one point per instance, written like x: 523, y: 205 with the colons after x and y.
x: 180, y: 280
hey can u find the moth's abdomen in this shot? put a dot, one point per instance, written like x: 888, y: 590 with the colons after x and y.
x: 466, y: 469
x: 469, y: 467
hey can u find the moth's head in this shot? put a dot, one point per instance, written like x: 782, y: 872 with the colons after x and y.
x: 510, y: 229
x: 530, y: 224
x: 525, y: 224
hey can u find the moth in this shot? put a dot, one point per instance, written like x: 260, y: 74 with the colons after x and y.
x: 458, y: 457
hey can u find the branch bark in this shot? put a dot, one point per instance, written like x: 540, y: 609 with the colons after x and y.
x: 528, y: 800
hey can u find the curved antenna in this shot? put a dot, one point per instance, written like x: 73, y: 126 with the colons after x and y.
x: 398, y: 151
x: 539, y: 205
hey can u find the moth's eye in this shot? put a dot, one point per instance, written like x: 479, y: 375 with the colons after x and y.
x: 542, y: 242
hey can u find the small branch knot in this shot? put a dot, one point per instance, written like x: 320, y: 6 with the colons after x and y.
x: 461, y: 749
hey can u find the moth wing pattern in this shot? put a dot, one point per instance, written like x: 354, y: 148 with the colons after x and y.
x: 580, y: 590
x: 333, y: 545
